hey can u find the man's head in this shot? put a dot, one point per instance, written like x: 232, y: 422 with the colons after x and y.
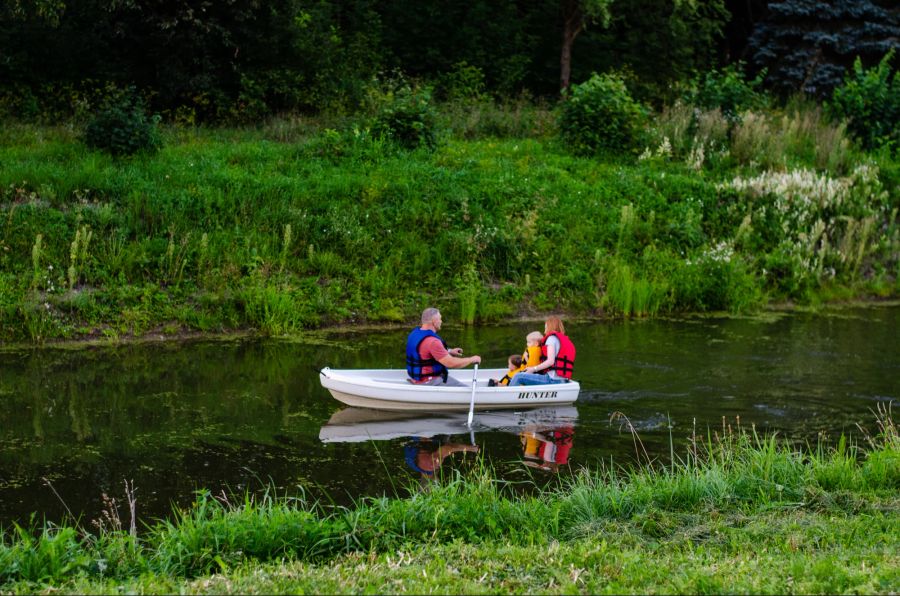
x: 431, y: 317
x: 533, y: 339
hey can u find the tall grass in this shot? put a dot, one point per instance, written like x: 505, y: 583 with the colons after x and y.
x: 213, y: 535
x: 739, y: 472
x: 633, y: 296
x: 800, y: 136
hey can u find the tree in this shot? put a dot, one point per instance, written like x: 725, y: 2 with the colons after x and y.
x: 428, y: 38
x: 744, y: 16
x: 576, y: 16
x: 653, y: 43
x: 657, y: 40
x: 199, y: 59
x: 46, y: 10
x: 808, y: 45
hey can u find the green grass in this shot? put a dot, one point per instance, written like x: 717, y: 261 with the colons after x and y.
x: 296, y: 225
x: 738, y: 513
x: 772, y: 553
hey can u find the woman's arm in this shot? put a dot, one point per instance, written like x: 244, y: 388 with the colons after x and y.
x: 552, y: 349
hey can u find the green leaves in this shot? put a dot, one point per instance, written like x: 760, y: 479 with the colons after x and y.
x: 728, y: 90
x: 408, y: 118
x: 600, y: 115
x: 870, y: 101
x: 123, y: 128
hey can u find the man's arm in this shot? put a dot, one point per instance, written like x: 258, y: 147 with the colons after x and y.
x: 454, y: 362
x: 434, y: 349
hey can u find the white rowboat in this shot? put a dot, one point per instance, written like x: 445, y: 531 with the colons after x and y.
x: 354, y: 425
x: 389, y: 389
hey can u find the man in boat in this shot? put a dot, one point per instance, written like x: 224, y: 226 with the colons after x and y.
x: 425, y: 455
x: 427, y: 355
x: 557, y: 358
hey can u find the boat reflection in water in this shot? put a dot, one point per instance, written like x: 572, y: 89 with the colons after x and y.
x: 547, y: 448
x: 546, y: 433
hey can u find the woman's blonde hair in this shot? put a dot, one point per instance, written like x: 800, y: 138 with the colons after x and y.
x: 554, y: 324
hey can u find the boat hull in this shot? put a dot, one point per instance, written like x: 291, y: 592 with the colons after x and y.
x: 354, y: 425
x: 388, y: 389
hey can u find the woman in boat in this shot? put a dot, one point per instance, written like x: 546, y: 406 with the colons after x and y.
x: 557, y: 358
x: 548, y: 449
x: 427, y: 355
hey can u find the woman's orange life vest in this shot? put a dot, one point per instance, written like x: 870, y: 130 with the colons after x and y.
x: 564, y: 365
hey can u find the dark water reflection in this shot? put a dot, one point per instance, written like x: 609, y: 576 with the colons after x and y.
x: 234, y: 415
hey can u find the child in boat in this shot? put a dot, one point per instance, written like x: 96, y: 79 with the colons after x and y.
x: 515, y: 365
x: 530, y: 357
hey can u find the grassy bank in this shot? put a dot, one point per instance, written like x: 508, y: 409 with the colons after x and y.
x: 296, y: 225
x: 737, y: 513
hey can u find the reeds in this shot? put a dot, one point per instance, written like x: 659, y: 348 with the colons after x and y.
x: 633, y: 296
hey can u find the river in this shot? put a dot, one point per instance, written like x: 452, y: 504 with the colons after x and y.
x: 250, y: 414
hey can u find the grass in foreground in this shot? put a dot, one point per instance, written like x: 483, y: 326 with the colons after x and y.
x: 740, y: 514
x: 798, y: 552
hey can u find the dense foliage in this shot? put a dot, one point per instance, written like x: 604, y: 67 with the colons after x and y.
x: 123, y: 128
x: 601, y: 115
x: 809, y: 45
x: 241, y: 60
x: 870, y: 101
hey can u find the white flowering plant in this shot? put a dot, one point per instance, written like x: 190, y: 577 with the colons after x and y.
x: 812, y: 226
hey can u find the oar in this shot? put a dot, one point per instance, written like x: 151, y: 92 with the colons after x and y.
x: 472, y: 403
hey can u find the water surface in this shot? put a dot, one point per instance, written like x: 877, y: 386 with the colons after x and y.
x: 246, y: 414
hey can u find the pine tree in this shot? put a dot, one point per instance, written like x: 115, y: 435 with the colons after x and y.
x: 809, y: 45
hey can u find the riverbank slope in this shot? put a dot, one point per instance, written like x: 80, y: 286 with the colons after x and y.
x: 294, y: 226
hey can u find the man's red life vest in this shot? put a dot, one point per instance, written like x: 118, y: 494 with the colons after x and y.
x: 565, y: 358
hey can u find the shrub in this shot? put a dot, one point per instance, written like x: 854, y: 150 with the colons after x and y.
x: 728, y: 91
x: 600, y: 115
x: 463, y: 82
x: 870, y: 101
x: 408, y: 118
x: 123, y: 128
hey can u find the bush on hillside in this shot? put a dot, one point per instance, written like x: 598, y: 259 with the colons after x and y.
x: 869, y: 100
x: 600, y: 115
x: 123, y: 128
x: 463, y: 82
x: 407, y: 116
x: 729, y: 91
